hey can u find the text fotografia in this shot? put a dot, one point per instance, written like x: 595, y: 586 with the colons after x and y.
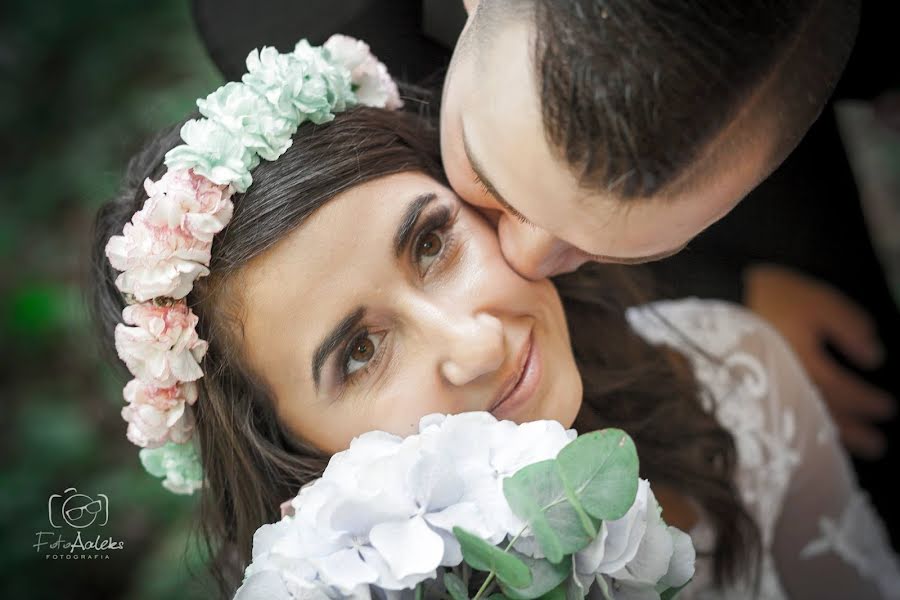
x: 55, y: 546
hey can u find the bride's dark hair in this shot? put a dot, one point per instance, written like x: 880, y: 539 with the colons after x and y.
x: 252, y: 463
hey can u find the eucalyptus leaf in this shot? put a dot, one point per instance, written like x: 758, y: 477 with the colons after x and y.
x: 537, y: 495
x: 544, y: 577
x: 486, y: 557
x: 557, y: 593
x: 455, y: 586
x: 601, y: 468
x: 672, y: 593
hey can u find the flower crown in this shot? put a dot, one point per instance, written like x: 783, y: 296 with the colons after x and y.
x: 167, y: 244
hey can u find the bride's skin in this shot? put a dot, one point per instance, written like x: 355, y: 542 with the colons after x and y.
x: 442, y: 326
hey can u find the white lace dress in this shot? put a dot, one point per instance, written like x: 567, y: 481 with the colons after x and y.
x: 821, y: 537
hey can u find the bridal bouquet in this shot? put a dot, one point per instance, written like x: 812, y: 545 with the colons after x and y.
x: 471, y: 508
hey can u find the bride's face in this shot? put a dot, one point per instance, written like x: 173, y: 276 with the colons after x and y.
x: 394, y: 301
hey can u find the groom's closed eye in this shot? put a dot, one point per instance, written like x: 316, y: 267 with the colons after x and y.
x: 485, y: 183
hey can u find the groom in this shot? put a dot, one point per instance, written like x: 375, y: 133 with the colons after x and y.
x: 617, y: 130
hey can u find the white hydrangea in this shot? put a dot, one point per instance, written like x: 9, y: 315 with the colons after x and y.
x: 383, y: 511
x: 637, y: 551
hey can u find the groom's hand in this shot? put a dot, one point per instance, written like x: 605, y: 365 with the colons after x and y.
x: 809, y: 313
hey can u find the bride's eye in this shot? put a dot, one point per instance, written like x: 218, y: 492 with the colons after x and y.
x: 361, y: 352
x: 435, y: 242
x: 428, y: 248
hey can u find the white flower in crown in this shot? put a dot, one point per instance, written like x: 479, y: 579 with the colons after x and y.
x: 158, y: 415
x: 213, y: 151
x: 163, y: 347
x: 156, y: 260
x: 372, y: 83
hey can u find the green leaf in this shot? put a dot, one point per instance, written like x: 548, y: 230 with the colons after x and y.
x: 485, y: 557
x: 455, y: 586
x: 672, y: 593
x: 557, y: 593
x: 537, y: 495
x: 603, y: 586
x: 602, y: 469
x: 544, y: 577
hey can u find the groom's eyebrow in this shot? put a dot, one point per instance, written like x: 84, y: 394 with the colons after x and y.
x: 475, y: 163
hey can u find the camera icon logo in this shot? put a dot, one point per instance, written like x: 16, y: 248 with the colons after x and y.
x: 77, y: 510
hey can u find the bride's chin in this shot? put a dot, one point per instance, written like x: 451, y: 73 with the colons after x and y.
x: 567, y: 417
x: 565, y: 412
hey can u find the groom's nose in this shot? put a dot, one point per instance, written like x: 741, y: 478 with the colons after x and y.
x: 535, y: 253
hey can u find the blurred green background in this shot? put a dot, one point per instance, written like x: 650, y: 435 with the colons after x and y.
x: 83, y: 84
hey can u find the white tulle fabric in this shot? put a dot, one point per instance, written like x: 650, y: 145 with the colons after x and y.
x: 821, y: 537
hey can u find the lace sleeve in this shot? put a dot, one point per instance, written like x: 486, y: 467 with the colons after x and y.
x: 827, y: 542
x: 821, y: 537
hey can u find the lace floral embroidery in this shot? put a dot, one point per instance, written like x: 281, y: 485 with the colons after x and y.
x: 858, y: 538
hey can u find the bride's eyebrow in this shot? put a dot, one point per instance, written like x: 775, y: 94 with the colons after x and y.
x: 408, y: 222
x: 333, y: 340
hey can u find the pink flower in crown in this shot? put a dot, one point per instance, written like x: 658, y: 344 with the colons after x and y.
x: 371, y: 81
x: 182, y: 199
x: 167, y: 245
x: 159, y: 415
x: 157, y: 261
x: 163, y: 347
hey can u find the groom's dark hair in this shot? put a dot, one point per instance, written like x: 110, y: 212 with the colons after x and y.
x: 633, y: 92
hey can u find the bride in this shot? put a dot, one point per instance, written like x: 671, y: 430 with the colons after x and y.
x: 351, y: 290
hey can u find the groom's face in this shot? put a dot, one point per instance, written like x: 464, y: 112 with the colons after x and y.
x: 498, y: 158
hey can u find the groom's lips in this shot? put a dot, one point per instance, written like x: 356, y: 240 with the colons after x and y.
x: 522, y: 383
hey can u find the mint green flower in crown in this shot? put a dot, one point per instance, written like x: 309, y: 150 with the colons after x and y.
x: 330, y: 80
x: 250, y: 118
x: 177, y: 464
x: 214, y: 152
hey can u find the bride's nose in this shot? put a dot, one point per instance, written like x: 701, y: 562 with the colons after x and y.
x: 474, y: 347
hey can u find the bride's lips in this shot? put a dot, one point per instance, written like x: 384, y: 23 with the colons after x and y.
x: 522, y: 384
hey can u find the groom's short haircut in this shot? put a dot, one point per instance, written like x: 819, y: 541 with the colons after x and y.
x: 634, y: 92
